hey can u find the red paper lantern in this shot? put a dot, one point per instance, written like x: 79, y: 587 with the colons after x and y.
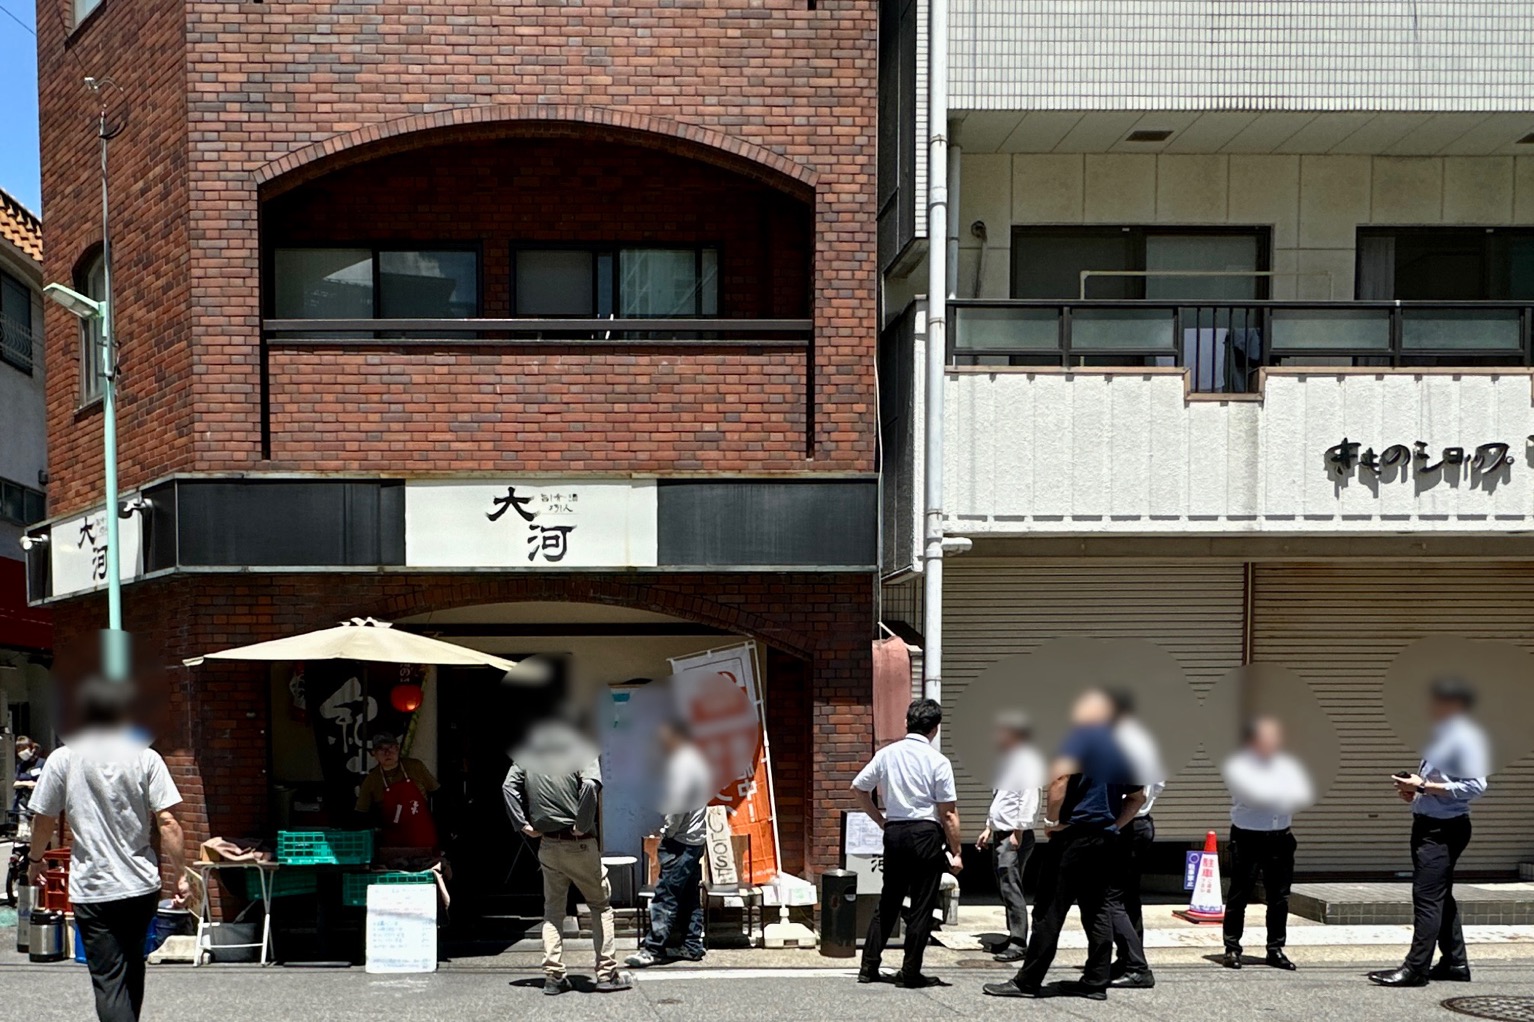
x: 406, y: 698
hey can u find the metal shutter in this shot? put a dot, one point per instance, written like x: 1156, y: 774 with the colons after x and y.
x: 1339, y: 626
x: 995, y: 608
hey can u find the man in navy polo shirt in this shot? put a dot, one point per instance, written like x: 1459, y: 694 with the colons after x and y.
x: 1092, y: 795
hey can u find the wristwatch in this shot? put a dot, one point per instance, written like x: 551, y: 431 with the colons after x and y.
x: 1422, y: 788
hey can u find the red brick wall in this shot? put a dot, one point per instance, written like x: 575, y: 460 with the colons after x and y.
x: 140, y: 45
x: 215, y: 738
x: 220, y: 92
x: 647, y: 410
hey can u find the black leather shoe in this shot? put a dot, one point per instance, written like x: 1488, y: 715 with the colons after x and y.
x: 1279, y: 960
x: 1450, y: 973
x: 917, y: 982
x: 1008, y: 954
x: 1137, y: 979
x: 1011, y: 989
x: 1405, y: 976
x: 872, y: 977
x: 1231, y: 959
x: 1082, y: 990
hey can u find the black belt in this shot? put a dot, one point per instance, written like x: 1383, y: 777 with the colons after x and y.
x: 565, y: 834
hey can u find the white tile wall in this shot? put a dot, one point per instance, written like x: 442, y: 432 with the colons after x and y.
x: 1375, y: 55
x: 1313, y: 204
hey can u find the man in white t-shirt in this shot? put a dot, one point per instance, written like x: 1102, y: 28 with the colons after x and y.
x: 920, y: 813
x: 117, y: 794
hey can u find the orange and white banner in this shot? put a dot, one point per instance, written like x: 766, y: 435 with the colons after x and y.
x: 719, y: 695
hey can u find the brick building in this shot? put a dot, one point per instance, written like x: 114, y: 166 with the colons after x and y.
x: 622, y: 253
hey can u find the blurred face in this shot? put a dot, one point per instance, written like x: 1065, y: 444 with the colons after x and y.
x: 1092, y: 707
x: 1439, y: 709
x: 387, y: 756
x: 1267, y: 737
x: 669, y: 739
x: 1006, y: 738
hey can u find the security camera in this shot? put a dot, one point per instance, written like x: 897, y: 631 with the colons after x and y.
x: 138, y: 505
x: 28, y: 543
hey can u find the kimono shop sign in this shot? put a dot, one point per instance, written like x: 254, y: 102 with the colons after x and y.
x: 77, y: 552
x: 1485, y: 463
x: 538, y: 524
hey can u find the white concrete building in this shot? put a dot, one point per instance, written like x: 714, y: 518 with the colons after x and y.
x: 1239, y: 374
x: 25, y: 634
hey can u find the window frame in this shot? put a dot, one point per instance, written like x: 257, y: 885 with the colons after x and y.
x: 1137, y: 235
x: 29, y: 363
x: 615, y: 250
x: 1492, y: 258
x: 27, y: 493
x: 374, y: 250
x: 88, y: 352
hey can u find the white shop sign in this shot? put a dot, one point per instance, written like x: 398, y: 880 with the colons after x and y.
x: 538, y: 524
x: 77, y: 552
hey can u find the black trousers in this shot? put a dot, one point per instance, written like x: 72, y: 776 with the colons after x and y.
x: 1436, y: 846
x: 1269, y: 853
x: 1133, y: 847
x: 1080, y: 877
x: 1010, y: 863
x: 915, y: 856
x: 113, y: 933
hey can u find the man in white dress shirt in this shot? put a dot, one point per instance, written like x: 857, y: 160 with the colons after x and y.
x: 1267, y: 787
x: 1134, y: 846
x: 1008, y: 829
x: 919, y: 817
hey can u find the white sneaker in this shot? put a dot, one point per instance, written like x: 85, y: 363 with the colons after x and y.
x: 641, y: 959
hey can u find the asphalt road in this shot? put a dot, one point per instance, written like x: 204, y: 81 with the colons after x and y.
x: 1184, y: 992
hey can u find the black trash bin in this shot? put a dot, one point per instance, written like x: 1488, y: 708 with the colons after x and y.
x: 839, y: 913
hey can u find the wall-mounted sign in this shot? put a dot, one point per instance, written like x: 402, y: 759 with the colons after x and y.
x: 536, y: 524
x: 77, y: 552
x: 1489, y: 461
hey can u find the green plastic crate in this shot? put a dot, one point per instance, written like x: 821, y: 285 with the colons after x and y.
x: 285, y: 883
x: 325, y: 847
x: 354, y: 886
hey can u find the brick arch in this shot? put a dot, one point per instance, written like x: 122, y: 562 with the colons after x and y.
x: 680, y: 600
x: 502, y: 120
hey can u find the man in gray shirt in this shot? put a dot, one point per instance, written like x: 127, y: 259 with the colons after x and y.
x: 678, y: 904
x: 551, y: 796
x: 119, y: 797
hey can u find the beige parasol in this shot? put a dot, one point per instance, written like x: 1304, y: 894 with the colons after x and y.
x: 373, y: 642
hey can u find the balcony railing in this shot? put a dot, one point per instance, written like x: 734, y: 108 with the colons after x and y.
x: 16, y: 343
x: 1224, y: 344
x: 427, y: 335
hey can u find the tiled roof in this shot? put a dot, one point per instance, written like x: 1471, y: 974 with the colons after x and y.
x: 21, y: 227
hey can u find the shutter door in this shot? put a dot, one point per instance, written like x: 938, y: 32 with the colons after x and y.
x: 1340, y: 627
x: 996, y: 608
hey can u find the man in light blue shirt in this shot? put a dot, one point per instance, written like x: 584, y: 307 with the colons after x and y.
x: 1452, y: 774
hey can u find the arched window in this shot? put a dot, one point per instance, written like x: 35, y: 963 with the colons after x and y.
x: 91, y: 280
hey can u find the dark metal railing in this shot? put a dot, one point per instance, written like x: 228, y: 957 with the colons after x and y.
x: 1224, y: 344
x: 504, y: 334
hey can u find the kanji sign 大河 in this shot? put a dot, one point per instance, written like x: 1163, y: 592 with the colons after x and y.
x: 531, y: 523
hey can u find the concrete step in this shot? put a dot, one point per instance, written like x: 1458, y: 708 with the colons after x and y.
x: 1383, y: 904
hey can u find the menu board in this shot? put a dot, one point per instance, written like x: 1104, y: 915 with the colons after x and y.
x: 402, y: 928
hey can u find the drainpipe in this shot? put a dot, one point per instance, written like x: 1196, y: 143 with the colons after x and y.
x: 955, y: 201
x: 937, y: 344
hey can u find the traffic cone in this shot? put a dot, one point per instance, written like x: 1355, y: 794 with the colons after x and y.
x: 1208, y: 903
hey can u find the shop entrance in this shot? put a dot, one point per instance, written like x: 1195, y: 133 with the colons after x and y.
x: 607, y: 661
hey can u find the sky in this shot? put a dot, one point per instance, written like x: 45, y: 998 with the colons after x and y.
x: 19, y: 171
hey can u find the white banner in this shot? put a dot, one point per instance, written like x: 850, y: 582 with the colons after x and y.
x: 77, y: 552
x: 541, y: 525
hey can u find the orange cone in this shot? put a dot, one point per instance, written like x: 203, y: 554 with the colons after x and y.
x: 1208, y: 903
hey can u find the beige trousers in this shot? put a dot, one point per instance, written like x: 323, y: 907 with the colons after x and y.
x: 579, y: 863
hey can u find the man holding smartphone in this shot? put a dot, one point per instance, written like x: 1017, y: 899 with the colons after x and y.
x: 1452, y: 775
